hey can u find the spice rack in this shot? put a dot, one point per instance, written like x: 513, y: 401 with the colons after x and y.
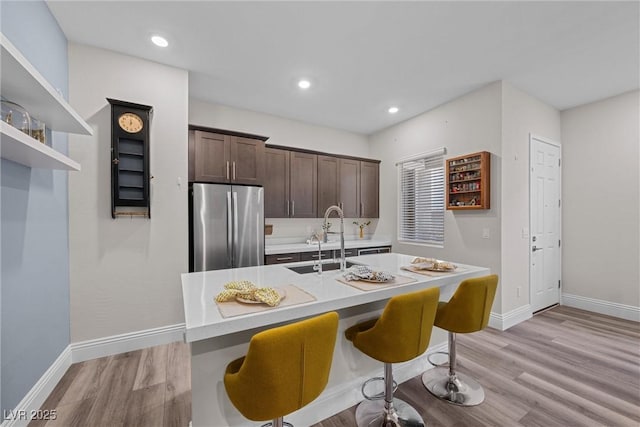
x: 468, y: 185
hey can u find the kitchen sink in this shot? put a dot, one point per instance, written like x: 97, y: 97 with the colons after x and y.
x: 327, y: 266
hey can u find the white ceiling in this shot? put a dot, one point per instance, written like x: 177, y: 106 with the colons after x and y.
x: 363, y: 57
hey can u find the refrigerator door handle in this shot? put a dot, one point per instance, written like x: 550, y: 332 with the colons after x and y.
x: 229, y: 231
x: 235, y: 228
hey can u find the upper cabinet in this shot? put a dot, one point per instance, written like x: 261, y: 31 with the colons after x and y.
x: 468, y: 185
x: 228, y: 158
x: 303, y: 184
x: 23, y: 84
x: 369, y: 189
x: 290, y: 187
x: 328, y: 183
x: 276, y: 183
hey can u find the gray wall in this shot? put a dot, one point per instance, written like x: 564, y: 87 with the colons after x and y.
x: 34, y: 232
x: 600, y: 211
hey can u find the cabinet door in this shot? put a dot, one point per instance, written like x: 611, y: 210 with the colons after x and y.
x: 276, y: 184
x: 247, y: 161
x: 212, y: 152
x: 327, y: 183
x: 349, y: 187
x: 369, y: 189
x: 303, y: 187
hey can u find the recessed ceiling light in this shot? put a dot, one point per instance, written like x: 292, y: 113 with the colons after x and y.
x: 304, y: 84
x: 159, y: 41
x: 393, y: 110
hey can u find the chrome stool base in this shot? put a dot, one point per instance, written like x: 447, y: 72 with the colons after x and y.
x: 372, y: 413
x: 278, y: 422
x: 460, y: 389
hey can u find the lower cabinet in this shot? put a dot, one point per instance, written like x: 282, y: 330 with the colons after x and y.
x: 327, y: 254
x: 282, y: 258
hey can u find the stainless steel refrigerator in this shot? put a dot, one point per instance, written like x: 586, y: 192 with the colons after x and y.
x: 226, y: 226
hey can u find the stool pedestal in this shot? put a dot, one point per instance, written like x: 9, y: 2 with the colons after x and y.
x: 387, y: 412
x: 454, y: 387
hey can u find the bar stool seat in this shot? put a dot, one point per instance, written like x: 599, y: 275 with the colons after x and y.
x: 285, y: 369
x: 467, y: 311
x: 400, y: 334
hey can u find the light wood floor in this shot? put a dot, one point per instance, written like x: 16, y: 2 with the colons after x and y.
x: 564, y: 367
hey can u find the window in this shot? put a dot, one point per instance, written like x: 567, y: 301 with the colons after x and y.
x: 421, y: 216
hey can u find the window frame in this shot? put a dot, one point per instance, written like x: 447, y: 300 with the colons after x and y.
x: 441, y: 209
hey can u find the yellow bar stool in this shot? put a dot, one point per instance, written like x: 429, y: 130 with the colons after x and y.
x: 467, y: 311
x: 400, y: 334
x: 285, y: 369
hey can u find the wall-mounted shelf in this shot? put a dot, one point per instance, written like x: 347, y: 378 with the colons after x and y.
x: 23, y: 84
x: 468, y: 185
x: 21, y: 148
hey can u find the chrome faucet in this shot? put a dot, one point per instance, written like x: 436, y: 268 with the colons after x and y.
x: 317, y: 266
x: 343, y: 263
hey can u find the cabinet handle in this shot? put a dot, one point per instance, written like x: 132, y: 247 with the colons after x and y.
x: 293, y: 208
x: 361, y: 210
x: 227, y: 169
x: 287, y: 208
x: 317, y: 256
x: 286, y: 258
x: 234, y: 171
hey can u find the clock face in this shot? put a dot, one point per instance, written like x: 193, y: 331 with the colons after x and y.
x: 130, y: 122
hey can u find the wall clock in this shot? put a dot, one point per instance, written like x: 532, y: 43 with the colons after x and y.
x: 130, y: 175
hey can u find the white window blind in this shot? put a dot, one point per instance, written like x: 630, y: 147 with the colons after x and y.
x: 421, y: 217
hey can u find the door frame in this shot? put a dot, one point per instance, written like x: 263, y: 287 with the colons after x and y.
x: 545, y: 140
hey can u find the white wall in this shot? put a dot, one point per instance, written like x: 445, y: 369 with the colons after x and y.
x: 465, y: 125
x: 521, y: 115
x: 600, y: 186
x: 125, y: 273
x: 290, y: 133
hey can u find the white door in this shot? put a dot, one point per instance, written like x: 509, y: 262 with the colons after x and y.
x: 544, y: 214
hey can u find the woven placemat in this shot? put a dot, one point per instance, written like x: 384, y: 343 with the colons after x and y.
x: 370, y: 286
x: 294, y: 295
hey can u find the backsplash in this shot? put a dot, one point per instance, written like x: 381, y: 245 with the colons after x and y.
x: 294, y: 230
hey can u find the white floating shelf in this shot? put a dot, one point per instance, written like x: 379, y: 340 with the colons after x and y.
x: 21, y: 148
x: 23, y: 84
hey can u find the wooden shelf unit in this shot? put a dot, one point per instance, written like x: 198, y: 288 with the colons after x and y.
x: 468, y: 181
x: 23, y: 84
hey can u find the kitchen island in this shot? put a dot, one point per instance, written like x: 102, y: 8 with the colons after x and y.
x: 217, y: 340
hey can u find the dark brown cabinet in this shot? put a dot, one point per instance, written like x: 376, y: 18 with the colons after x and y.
x: 225, y: 158
x: 276, y: 183
x: 349, y: 192
x: 369, y: 189
x: 303, y: 184
x: 290, y: 186
x: 282, y: 258
x: 351, y: 184
x: 303, y: 187
x: 328, y: 183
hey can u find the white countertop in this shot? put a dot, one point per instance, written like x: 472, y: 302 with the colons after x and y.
x: 203, y: 320
x: 284, y: 248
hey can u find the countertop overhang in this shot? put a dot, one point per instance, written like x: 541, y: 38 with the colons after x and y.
x: 204, y: 321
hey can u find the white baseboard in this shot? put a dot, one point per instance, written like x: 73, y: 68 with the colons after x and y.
x: 34, y: 399
x: 503, y: 322
x: 348, y: 393
x: 116, y: 344
x: 623, y: 311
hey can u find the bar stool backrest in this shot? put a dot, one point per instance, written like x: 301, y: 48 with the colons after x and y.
x: 403, y: 330
x: 469, y: 308
x: 285, y: 368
